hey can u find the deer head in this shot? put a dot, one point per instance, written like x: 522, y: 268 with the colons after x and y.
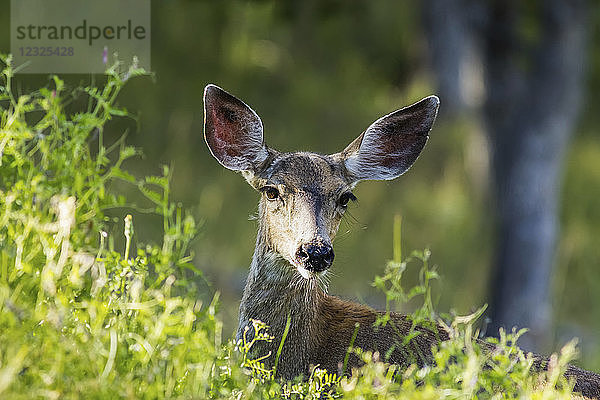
x: 304, y: 195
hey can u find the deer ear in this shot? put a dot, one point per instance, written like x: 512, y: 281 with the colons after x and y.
x: 390, y: 146
x: 232, y: 131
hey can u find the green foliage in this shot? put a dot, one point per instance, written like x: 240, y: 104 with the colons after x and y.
x: 318, y: 73
x: 391, y: 282
x: 79, y: 319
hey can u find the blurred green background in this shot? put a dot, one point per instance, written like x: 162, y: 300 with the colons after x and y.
x: 318, y: 73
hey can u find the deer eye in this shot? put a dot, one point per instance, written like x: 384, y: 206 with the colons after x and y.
x: 271, y: 192
x: 345, y: 198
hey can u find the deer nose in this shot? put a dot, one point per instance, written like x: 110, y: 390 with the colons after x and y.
x: 315, y: 257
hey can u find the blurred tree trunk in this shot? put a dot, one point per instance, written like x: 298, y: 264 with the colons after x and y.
x: 533, y: 93
x: 447, y: 32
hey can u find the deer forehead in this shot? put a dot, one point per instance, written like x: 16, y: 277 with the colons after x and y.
x: 308, y: 173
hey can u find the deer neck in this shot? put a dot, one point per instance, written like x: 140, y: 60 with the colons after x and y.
x: 274, y: 292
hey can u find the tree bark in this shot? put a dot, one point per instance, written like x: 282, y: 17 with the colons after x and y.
x: 532, y: 99
x: 447, y: 36
x: 531, y: 110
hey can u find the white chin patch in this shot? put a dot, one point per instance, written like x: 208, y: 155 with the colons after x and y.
x: 306, y: 274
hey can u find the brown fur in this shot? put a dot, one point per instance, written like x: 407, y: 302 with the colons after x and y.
x: 339, y: 319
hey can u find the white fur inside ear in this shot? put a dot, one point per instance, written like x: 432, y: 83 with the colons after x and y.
x: 372, y: 161
x: 390, y: 146
x: 369, y: 162
x: 255, y: 136
x: 252, y: 151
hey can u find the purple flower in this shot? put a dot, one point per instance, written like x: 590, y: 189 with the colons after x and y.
x: 105, y: 55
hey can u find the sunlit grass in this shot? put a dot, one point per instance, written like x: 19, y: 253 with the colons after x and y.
x: 80, y: 319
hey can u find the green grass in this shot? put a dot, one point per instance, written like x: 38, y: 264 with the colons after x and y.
x: 91, y: 311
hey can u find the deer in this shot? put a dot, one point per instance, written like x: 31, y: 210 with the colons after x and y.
x: 303, y: 196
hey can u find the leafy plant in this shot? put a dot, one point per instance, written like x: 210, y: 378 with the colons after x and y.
x: 79, y: 319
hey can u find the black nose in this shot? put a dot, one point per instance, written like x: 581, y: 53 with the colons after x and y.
x: 315, y: 257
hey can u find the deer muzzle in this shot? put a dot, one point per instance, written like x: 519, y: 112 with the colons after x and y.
x: 314, y: 256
